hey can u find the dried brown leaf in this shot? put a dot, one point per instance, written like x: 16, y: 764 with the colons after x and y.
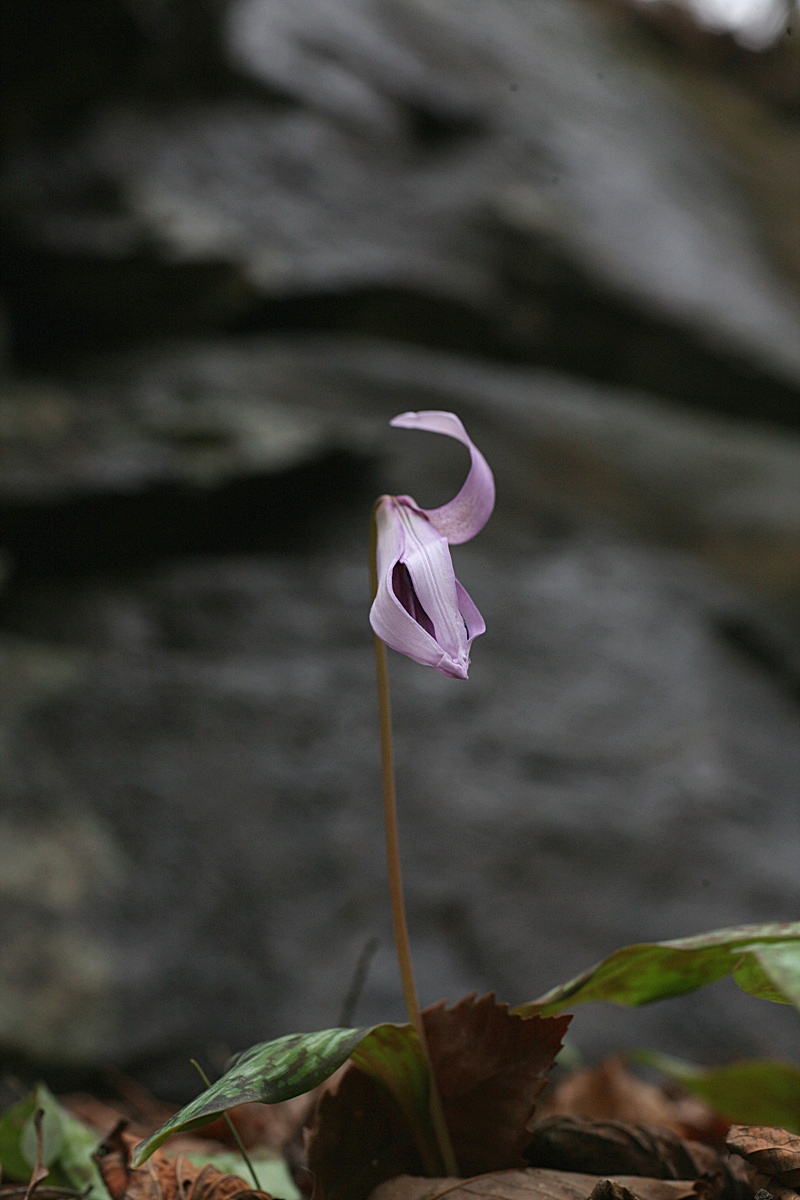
x: 625, y: 1148
x: 102, y: 1115
x: 772, y: 1156
x: 359, y: 1138
x: 489, y: 1065
x: 537, y: 1184
x: 611, y: 1092
x: 163, y: 1178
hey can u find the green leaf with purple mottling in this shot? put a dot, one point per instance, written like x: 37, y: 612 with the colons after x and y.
x: 763, y: 959
x: 290, y: 1065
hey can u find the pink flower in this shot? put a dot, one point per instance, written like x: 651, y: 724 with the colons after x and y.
x: 420, y: 608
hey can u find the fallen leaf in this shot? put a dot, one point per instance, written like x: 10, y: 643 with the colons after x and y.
x: 772, y: 1156
x: 40, y: 1171
x: 612, y: 1092
x: 358, y: 1138
x: 611, y: 1189
x: 624, y: 1148
x: 101, y: 1115
x: 17, y: 1191
x: 164, y: 1178
x: 489, y: 1065
x: 537, y: 1184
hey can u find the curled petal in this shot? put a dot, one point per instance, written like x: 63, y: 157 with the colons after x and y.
x: 420, y: 609
x: 467, y: 513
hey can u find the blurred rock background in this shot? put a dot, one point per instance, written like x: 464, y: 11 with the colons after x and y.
x: 239, y: 235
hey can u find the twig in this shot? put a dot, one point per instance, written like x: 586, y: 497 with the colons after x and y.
x: 39, y: 1172
x: 353, y: 993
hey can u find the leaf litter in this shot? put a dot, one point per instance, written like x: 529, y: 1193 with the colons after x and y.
x: 772, y: 1158
x: 539, y: 1185
x: 79, y: 1122
x: 601, y: 1133
x: 164, y: 1178
x: 611, y: 1091
x: 478, y: 1051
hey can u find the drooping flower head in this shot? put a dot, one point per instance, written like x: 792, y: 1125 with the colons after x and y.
x: 420, y: 608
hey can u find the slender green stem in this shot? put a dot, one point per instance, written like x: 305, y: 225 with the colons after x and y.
x: 233, y: 1130
x: 402, y: 944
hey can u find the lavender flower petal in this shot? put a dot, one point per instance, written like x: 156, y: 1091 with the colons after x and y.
x: 420, y: 610
x: 467, y: 513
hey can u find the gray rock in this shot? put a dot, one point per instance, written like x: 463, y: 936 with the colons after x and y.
x: 192, y: 833
x: 125, y: 466
x: 205, y: 415
x: 581, y: 136
x: 191, y: 846
x: 499, y: 163
x: 724, y: 489
x: 107, y: 432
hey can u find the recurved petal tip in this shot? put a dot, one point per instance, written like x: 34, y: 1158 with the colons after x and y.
x: 467, y: 513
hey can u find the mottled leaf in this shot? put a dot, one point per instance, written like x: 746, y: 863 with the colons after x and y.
x: 392, y: 1055
x: 764, y: 960
x: 268, y: 1072
x: 749, y: 1092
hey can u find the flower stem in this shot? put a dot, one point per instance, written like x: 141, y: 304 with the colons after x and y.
x: 402, y: 944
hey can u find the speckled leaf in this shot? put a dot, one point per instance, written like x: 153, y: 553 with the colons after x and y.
x: 267, y: 1072
x: 763, y: 959
x: 749, y: 1092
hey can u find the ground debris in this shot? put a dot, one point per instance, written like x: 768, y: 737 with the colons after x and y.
x: 163, y: 1178
x: 627, y: 1148
x: 540, y: 1184
x: 772, y: 1157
